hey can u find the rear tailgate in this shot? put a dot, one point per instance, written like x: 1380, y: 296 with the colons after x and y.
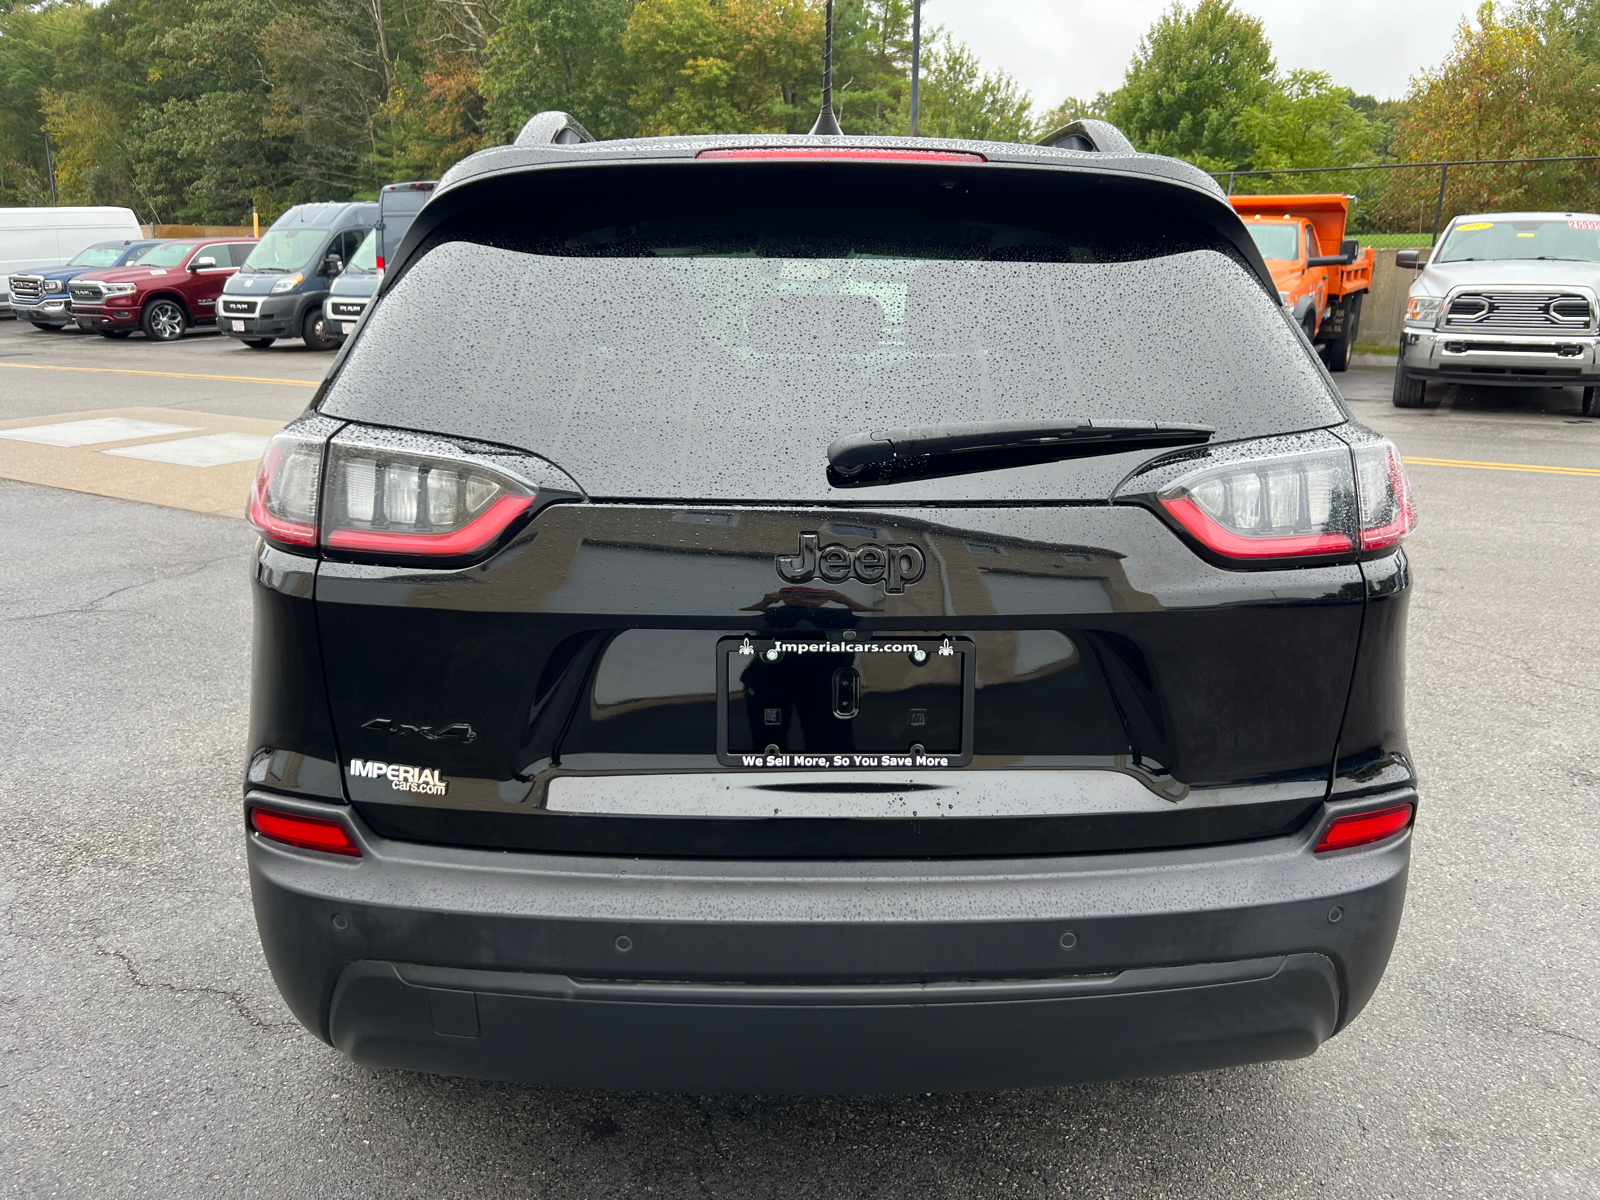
x: 1192, y: 703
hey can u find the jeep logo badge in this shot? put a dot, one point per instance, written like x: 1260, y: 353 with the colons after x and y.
x: 892, y: 566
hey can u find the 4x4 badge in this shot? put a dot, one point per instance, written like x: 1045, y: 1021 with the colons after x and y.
x: 460, y: 730
x: 894, y: 566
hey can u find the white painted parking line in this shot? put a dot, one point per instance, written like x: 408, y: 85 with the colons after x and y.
x: 97, y: 429
x: 211, y: 450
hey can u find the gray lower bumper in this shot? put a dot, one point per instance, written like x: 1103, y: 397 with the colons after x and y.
x: 889, y: 1039
x: 895, y: 976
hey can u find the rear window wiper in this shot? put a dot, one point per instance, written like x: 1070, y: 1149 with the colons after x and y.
x: 964, y: 447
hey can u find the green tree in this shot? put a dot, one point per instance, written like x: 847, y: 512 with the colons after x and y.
x: 724, y: 66
x: 960, y: 100
x: 1309, y: 123
x: 1517, y: 86
x: 1192, y: 77
x: 560, y: 54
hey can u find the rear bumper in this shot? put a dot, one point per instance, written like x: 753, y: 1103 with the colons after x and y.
x: 825, y: 977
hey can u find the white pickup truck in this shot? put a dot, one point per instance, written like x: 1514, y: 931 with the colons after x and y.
x: 1508, y: 300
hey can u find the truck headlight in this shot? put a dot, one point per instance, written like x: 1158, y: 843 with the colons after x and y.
x: 54, y: 285
x: 288, y: 284
x: 1283, y: 299
x: 120, y: 289
x: 1423, y: 310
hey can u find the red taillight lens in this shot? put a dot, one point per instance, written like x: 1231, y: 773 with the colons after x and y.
x: 1361, y: 829
x: 857, y: 153
x: 283, y: 499
x: 309, y: 833
x: 392, y: 503
x: 1388, y: 510
x: 1298, y: 496
x: 1284, y: 498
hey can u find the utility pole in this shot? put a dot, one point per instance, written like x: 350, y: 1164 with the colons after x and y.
x: 827, y: 124
x: 916, y: 61
x: 50, y: 168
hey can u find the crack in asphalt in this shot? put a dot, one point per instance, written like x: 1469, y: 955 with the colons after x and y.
x: 233, y: 997
x: 90, y: 607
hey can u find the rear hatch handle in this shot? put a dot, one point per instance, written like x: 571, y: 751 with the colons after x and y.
x: 959, y: 447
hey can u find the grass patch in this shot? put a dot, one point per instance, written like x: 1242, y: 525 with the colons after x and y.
x: 1387, y: 349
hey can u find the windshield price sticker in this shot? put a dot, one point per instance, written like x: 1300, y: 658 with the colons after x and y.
x: 1583, y: 224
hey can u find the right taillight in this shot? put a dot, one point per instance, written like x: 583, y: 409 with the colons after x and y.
x: 1388, y: 510
x: 1308, y: 495
x: 1364, y: 828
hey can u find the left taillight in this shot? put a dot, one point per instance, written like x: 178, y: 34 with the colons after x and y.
x: 283, y: 499
x: 385, y: 496
x: 385, y: 502
x: 308, y: 833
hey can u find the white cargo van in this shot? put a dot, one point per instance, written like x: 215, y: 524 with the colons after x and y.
x: 49, y: 237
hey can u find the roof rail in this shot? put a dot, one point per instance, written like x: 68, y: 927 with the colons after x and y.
x: 552, y: 128
x: 1086, y: 134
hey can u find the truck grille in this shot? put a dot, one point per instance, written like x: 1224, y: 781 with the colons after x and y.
x: 240, y: 308
x: 347, y: 310
x: 27, y: 287
x: 1518, y: 312
x: 86, y: 293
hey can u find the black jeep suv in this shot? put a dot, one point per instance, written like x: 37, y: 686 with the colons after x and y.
x: 825, y: 614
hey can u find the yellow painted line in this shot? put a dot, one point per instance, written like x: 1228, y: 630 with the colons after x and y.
x: 1534, y: 468
x: 166, y: 374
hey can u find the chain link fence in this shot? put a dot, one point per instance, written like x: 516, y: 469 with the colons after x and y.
x: 1407, y: 205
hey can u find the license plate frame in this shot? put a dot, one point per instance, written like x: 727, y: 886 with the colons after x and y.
x: 891, y: 689
x: 238, y: 326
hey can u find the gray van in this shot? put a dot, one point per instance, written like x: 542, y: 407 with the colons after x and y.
x: 279, y: 291
x: 350, y: 294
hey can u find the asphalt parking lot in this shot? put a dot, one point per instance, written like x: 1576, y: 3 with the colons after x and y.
x: 145, y: 1051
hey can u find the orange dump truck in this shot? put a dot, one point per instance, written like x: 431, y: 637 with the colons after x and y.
x: 1321, y: 274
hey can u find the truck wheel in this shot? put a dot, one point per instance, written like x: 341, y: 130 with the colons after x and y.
x: 259, y: 343
x: 1409, y: 393
x: 164, y: 321
x: 1310, y: 326
x: 315, y: 332
x: 1590, y: 408
x: 41, y: 325
x: 1337, y: 355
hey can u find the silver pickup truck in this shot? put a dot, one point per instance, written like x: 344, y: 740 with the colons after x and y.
x: 1507, y: 299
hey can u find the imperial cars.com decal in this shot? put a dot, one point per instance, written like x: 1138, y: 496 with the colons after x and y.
x: 421, y: 781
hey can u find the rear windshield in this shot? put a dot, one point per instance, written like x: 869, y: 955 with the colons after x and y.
x: 723, y: 346
x: 1569, y: 239
x: 97, y: 256
x: 1276, y: 241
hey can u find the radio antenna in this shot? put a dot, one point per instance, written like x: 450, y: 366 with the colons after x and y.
x: 827, y: 124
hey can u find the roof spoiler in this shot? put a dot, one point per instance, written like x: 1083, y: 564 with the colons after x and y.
x: 1100, y: 136
x: 552, y: 128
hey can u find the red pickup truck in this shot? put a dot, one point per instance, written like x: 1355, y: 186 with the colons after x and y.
x: 172, y: 289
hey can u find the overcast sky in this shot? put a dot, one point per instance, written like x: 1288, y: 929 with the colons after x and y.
x: 1060, y: 48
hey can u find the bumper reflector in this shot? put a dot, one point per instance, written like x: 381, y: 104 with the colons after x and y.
x: 309, y: 833
x: 1360, y: 829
